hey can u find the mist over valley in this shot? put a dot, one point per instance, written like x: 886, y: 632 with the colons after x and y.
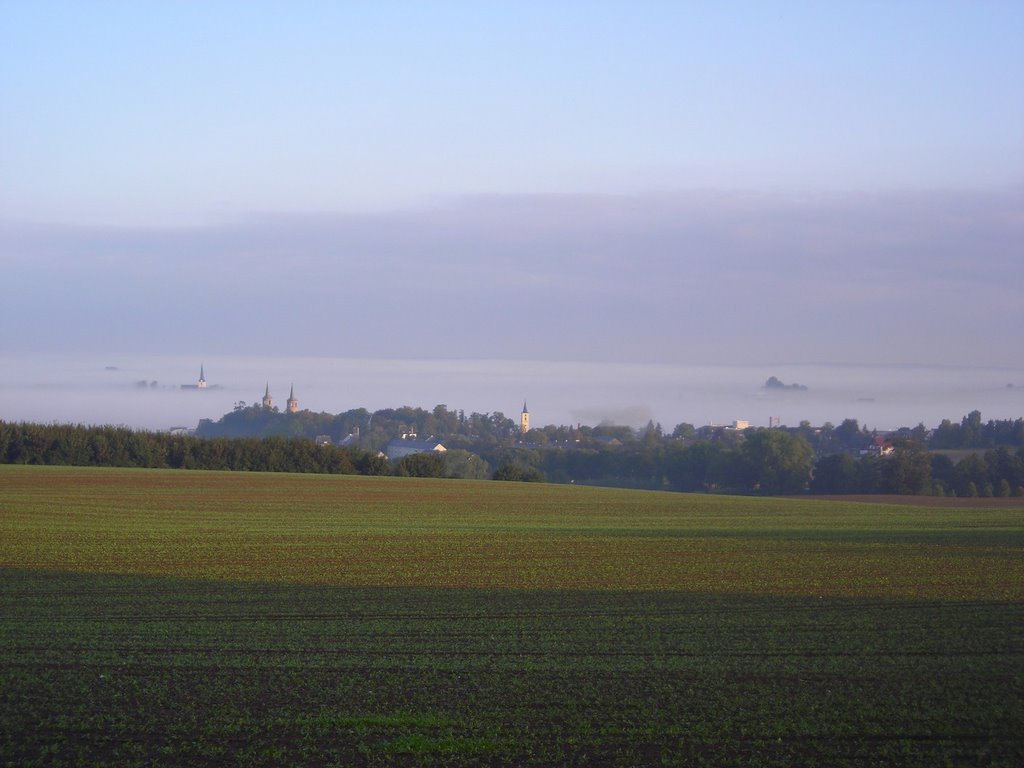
x: 147, y: 393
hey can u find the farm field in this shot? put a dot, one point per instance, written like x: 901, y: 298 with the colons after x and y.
x: 186, y: 618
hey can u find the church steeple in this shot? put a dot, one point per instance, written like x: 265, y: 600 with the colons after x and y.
x: 202, y: 377
x: 268, y: 401
x: 293, y: 404
x: 524, y: 420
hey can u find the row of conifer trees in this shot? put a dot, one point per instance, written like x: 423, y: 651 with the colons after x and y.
x: 105, y: 446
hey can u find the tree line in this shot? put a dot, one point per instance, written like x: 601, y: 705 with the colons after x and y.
x: 971, y: 432
x: 764, y: 461
x: 373, y: 429
x: 772, y: 462
x: 752, y: 461
x: 768, y: 461
x: 106, y: 446
x: 484, y: 431
x: 912, y: 470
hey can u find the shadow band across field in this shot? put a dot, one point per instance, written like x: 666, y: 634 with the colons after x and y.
x: 131, y: 670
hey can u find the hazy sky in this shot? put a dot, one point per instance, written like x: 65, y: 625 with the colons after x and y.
x: 635, y: 181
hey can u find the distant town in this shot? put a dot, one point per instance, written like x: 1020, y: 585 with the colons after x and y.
x: 965, y: 457
x: 956, y: 458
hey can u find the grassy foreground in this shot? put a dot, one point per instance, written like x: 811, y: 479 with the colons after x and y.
x: 181, y: 618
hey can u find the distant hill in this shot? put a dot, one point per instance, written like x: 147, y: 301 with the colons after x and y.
x: 775, y: 384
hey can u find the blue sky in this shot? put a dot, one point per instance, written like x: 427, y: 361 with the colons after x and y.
x: 824, y: 164
x: 149, y: 112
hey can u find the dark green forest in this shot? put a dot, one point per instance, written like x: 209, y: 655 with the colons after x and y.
x: 123, y: 447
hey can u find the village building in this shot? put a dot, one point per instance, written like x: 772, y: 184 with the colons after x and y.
x: 398, y: 447
x: 880, y: 446
x: 352, y: 438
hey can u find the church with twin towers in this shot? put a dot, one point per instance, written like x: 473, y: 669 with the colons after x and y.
x: 292, y: 405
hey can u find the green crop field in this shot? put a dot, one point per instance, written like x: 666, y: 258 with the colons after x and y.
x: 190, y: 618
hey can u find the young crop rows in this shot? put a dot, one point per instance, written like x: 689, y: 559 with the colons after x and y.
x: 181, y: 619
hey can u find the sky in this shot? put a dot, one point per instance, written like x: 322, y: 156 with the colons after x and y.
x: 598, y: 181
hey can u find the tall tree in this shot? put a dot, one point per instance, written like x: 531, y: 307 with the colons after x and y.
x: 776, y: 461
x: 907, y: 470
